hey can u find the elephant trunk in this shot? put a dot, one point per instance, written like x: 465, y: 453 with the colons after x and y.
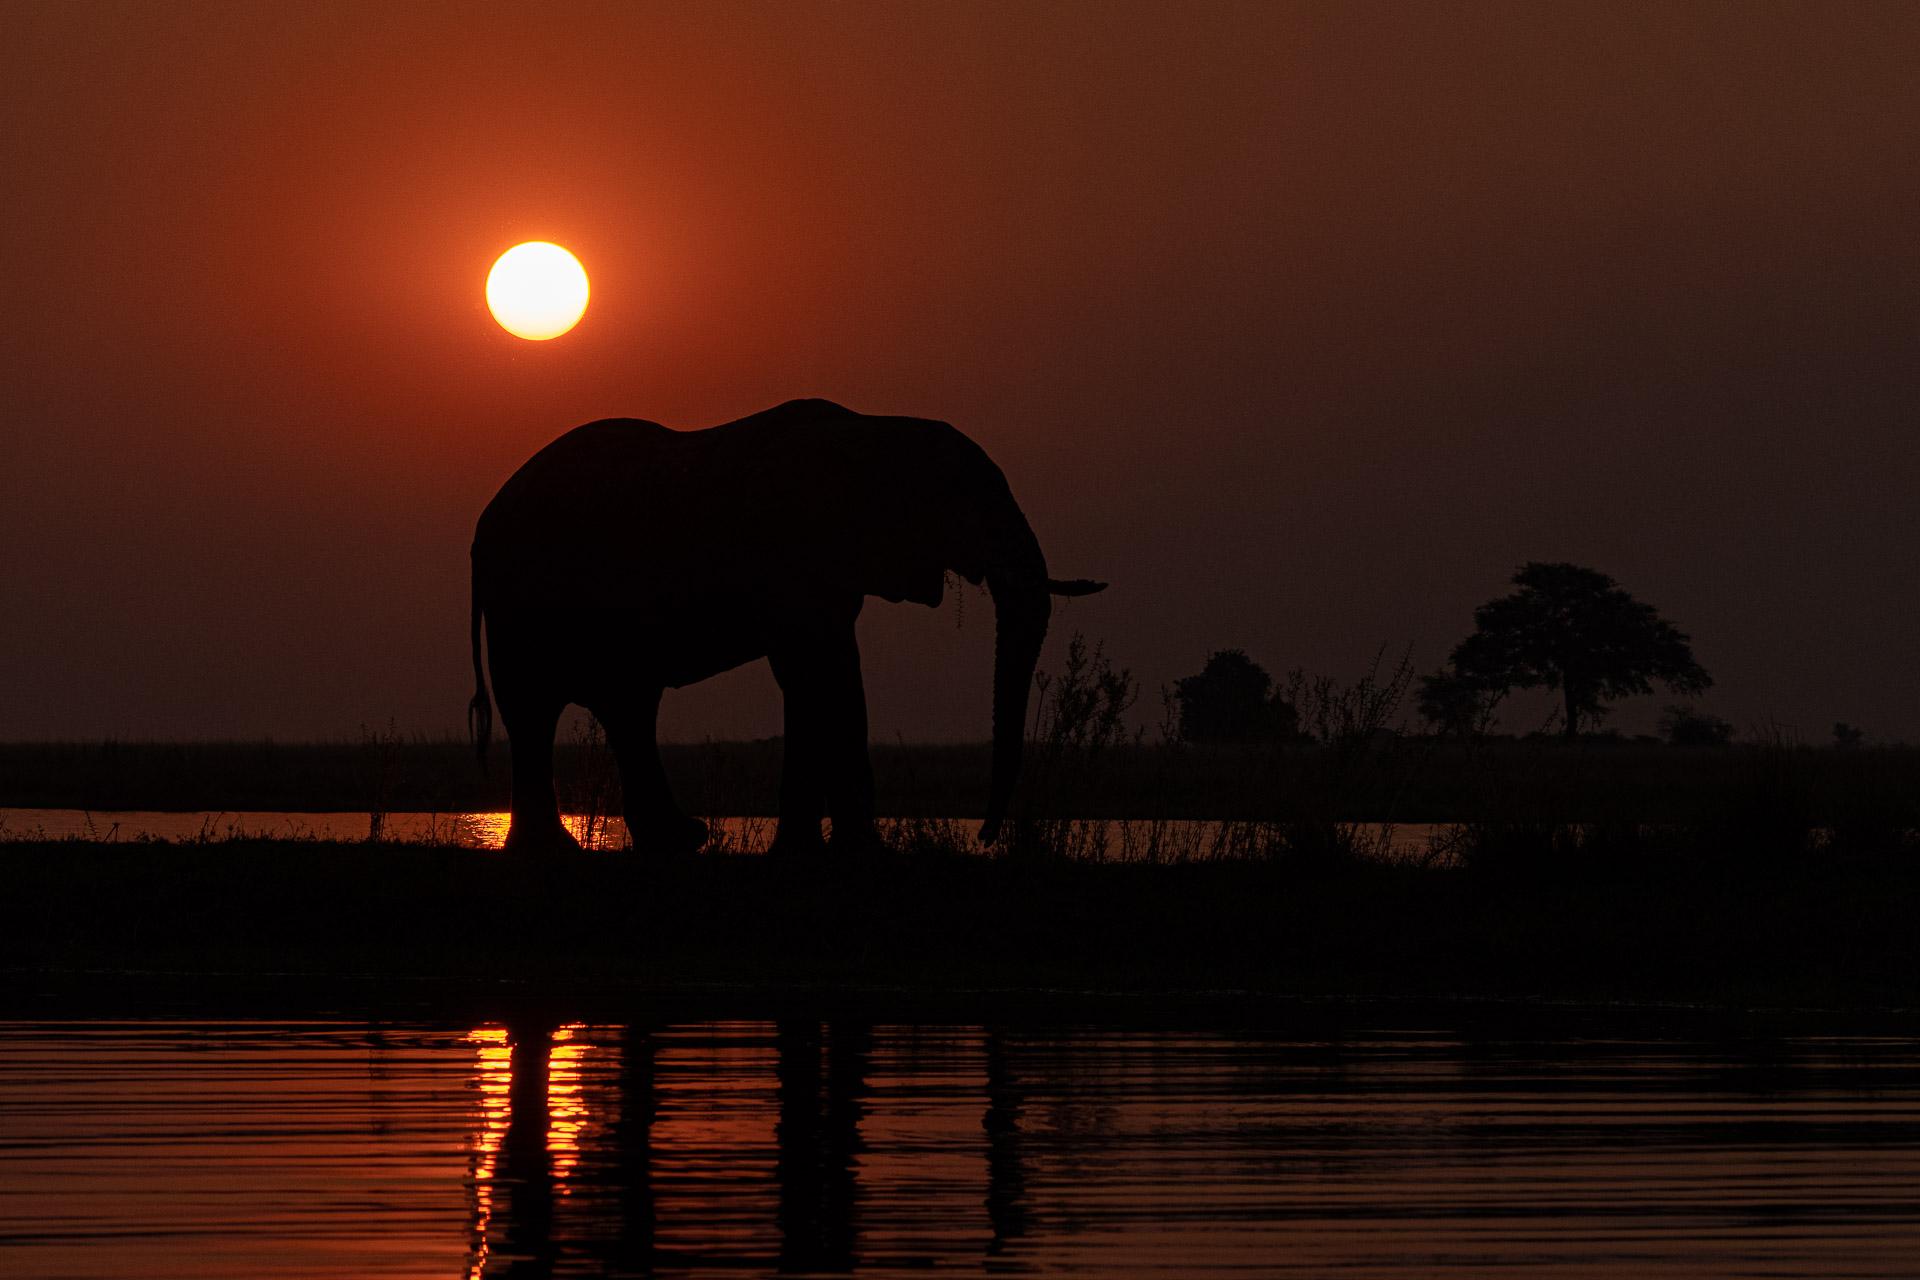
x: 1021, y: 607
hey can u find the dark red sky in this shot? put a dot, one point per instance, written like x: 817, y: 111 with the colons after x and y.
x: 1303, y: 324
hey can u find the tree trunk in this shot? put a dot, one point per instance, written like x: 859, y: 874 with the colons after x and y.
x: 1573, y: 715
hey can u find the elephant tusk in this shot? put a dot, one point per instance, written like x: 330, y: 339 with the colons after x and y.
x: 1074, y: 586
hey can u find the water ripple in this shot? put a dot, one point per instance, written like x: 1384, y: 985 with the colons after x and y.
x: 164, y: 1149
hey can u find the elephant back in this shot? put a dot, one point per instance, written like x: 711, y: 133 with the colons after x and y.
x: 804, y: 496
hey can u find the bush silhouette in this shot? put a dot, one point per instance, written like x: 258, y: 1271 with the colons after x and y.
x: 1233, y: 700
x: 1456, y: 704
x: 1686, y: 727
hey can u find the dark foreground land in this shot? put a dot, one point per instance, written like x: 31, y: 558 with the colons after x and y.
x: 1764, y: 875
x: 283, y: 927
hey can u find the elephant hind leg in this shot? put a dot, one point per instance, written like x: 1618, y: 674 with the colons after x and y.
x: 535, y: 826
x: 655, y: 821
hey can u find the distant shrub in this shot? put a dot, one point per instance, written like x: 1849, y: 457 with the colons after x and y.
x: 1233, y: 700
x: 1456, y: 704
x: 1688, y: 727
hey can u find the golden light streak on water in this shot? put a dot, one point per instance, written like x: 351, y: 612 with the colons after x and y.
x: 485, y: 830
x: 566, y: 1107
x: 493, y: 1074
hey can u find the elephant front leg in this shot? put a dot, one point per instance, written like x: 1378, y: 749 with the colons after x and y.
x: 803, y: 787
x: 825, y: 768
x: 655, y: 821
x: 849, y: 767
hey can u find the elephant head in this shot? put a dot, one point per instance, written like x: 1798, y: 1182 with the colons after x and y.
x: 965, y: 521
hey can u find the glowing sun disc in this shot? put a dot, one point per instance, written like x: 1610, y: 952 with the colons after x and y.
x: 537, y: 291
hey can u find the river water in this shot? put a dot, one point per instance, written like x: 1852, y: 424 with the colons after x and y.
x: 247, y: 1149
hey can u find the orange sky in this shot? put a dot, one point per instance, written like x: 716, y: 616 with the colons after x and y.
x: 1302, y: 324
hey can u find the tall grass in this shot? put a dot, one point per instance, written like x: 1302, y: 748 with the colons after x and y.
x: 1080, y: 716
x: 1352, y: 728
x: 1294, y: 801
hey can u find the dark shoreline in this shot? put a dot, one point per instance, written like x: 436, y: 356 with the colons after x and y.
x: 262, y: 928
x: 1391, y: 779
x: 92, y: 996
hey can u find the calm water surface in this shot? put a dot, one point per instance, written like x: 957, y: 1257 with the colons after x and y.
x: 164, y: 1149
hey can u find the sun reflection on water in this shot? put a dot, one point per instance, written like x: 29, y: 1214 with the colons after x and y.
x: 563, y: 1059
x: 566, y: 1107
x: 493, y: 1072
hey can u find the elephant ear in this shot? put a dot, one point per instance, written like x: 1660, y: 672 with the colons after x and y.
x: 901, y: 553
x: 899, y: 507
x: 914, y: 585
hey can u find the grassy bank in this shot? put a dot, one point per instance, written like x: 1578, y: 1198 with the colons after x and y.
x: 278, y: 919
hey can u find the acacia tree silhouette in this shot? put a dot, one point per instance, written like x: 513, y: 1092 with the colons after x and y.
x: 1574, y: 629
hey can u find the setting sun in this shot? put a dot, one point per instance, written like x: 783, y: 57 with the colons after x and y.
x: 537, y: 291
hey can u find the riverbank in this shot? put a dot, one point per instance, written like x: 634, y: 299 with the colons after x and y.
x: 293, y: 925
x: 1384, y: 778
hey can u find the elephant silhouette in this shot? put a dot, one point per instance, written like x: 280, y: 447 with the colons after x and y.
x: 625, y: 558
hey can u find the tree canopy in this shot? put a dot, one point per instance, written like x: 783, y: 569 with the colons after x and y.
x: 1574, y: 629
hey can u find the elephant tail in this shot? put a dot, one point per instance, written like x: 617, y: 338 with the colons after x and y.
x: 480, y: 710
